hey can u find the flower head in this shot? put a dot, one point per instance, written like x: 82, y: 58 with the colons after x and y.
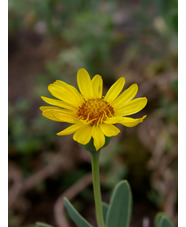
x: 91, y: 114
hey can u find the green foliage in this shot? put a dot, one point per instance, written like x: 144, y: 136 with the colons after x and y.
x: 162, y: 220
x: 25, y: 134
x: 40, y: 224
x: 105, y: 211
x: 169, y: 10
x: 76, y: 217
x: 119, y: 211
x: 95, y: 42
x: 51, y: 15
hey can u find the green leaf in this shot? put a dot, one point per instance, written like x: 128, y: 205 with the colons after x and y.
x: 164, y: 6
x: 105, y: 207
x: 119, y: 211
x: 76, y: 217
x: 162, y: 220
x: 40, y: 224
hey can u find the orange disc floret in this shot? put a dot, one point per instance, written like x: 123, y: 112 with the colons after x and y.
x: 95, y: 111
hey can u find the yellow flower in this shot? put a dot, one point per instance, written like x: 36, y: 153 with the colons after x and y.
x: 90, y: 113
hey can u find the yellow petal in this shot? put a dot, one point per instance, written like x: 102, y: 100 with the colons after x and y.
x: 83, y: 134
x: 69, y: 88
x: 109, y: 130
x: 97, y: 84
x: 59, y: 103
x: 42, y: 108
x: 48, y: 114
x: 99, y: 138
x: 131, y: 107
x: 64, y: 94
x: 115, y: 89
x: 126, y: 96
x: 131, y: 122
x: 71, y: 129
x: 57, y: 114
x: 84, y: 83
x: 113, y: 120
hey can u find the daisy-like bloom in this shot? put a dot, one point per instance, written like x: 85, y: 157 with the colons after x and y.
x: 90, y: 113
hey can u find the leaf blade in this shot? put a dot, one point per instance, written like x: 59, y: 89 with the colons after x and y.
x: 119, y: 211
x: 105, y: 207
x: 163, y: 220
x: 41, y: 224
x: 76, y: 217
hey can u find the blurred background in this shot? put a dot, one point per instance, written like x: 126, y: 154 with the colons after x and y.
x: 50, y: 40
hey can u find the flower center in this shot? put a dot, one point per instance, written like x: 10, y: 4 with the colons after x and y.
x: 95, y: 111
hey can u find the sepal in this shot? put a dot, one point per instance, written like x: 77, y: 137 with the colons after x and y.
x: 90, y: 146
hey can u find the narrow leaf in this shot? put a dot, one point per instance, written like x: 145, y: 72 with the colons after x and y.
x: 76, y: 217
x: 162, y: 220
x: 119, y: 211
x: 40, y: 224
x: 105, y: 207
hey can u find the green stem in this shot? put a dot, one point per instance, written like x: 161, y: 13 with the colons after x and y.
x: 96, y: 186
